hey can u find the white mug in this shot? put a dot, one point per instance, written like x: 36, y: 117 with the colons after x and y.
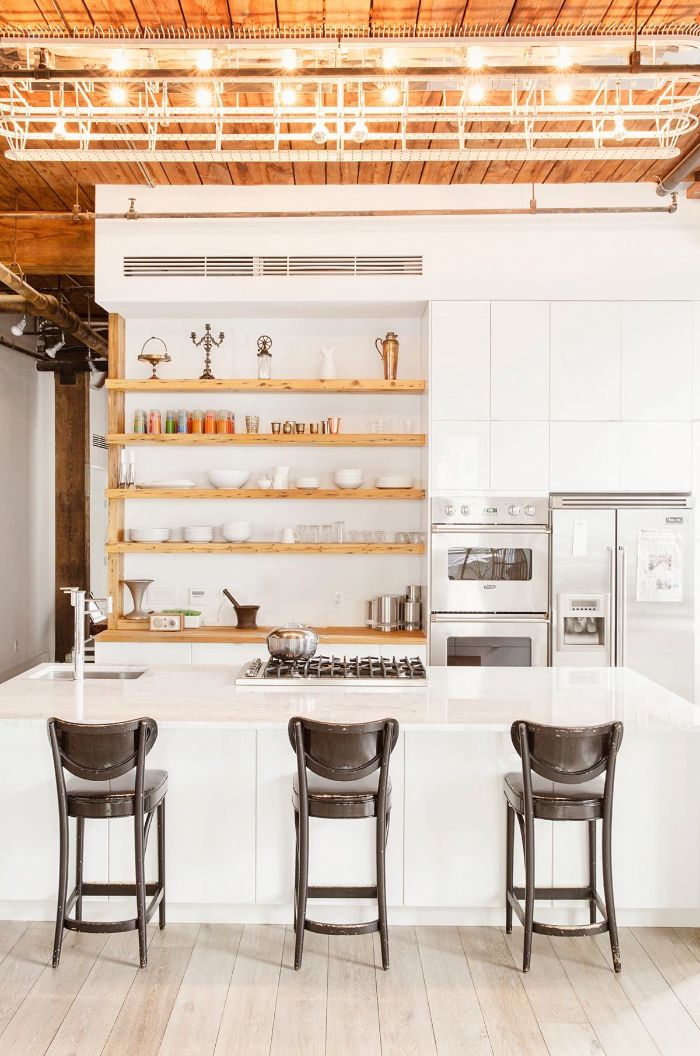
x: 281, y: 478
x: 289, y: 535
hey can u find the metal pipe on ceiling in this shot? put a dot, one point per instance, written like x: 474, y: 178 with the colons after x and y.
x: 18, y: 348
x: 684, y: 167
x: 249, y: 76
x: 133, y: 214
x: 48, y: 307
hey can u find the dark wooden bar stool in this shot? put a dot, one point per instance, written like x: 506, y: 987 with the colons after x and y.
x: 110, y: 781
x: 337, y: 755
x: 571, y: 758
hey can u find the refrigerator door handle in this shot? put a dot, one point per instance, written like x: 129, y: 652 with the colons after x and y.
x: 611, y: 607
x: 621, y: 606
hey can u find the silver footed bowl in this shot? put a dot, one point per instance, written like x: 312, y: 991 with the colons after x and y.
x: 294, y: 641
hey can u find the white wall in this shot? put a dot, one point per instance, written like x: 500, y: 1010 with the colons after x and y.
x: 27, y: 509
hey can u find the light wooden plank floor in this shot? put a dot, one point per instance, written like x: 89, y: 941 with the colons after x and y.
x: 215, y: 990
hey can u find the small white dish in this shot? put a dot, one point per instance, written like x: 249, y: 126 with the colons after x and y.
x: 228, y: 478
x: 307, y: 483
x: 348, y: 485
x: 198, y: 534
x: 149, y: 535
x: 168, y: 484
x: 394, y: 482
x: 236, y: 531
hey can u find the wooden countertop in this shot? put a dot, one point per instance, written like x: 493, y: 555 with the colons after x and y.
x: 138, y: 632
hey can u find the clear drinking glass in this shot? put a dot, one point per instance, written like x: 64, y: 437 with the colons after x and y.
x: 380, y: 537
x: 409, y: 425
x: 400, y: 537
x: 326, y: 533
x: 252, y: 423
x: 354, y: 537
x: 367, y: 536
x: 339, y: 532
x: 302, y: 531
x: 314, y: 533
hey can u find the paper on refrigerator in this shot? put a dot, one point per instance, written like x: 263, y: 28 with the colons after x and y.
x: 659, y: 565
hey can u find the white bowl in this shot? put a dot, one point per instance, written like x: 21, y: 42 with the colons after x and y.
x: 394, y: 482
x: 149, y: 535
x: 198, y: 534
x: 228, y: 478
x: 348, y: 485
x: 236, y: 531
x: 349, y: 472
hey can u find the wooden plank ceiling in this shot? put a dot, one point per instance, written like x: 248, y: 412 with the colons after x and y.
x: 54, y: 185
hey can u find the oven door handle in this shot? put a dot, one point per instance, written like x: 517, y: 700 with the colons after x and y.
x: 487, y: 617
x: 489, y: 529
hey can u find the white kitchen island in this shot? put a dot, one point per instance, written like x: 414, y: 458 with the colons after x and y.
x: 229, y: 816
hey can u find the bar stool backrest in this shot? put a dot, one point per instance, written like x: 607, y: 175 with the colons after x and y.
x: 568, y: 754
x: 100, y: 752
x: 343, y: 752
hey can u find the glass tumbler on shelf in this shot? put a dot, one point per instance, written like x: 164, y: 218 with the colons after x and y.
x: 380, y: 537
x: 302, y: 531
x: 314, y: 533
x: 354, y: 536
x: 339, y: 532
x: 252, y: 423
x: 400, y: 537
x: 327, y: 533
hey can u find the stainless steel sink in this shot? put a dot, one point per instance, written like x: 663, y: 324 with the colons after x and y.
x: 62, y: 674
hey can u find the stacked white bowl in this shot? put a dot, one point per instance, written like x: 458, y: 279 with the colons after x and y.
x: 348, y: 478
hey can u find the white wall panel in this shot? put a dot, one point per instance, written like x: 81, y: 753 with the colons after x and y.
x: 584, y: 456
x: 656, y: 360
x: 520, y: 360
x: 460, y: 359
x: 656, y: 456
x: 585, y: 361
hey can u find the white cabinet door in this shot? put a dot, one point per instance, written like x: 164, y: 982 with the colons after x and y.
x: 584, y: 456
x: 460, y: 359
x: 585, y: 360
x: 148, y: 653
x: 340, y: 852
x: 454, y: 854
x: 656, y: 360
x: 459, y: 456
x: 520, y: 360
x: 210, y: 817
x: 520, y: 457
x: 656, y: 456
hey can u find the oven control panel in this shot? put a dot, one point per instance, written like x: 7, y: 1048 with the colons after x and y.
x: 483, y: 509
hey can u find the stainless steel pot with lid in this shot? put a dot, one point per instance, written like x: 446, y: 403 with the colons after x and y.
x: 294, y: 641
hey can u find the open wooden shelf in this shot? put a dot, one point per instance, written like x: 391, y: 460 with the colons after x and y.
x: 138, y: 631
x: 277, y: 439
x: 265, y: 548
x: 265, y: 493
x: 410, y: 386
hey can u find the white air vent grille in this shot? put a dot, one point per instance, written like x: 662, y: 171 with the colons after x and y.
x: 621, y: 500
x: 270, y: 267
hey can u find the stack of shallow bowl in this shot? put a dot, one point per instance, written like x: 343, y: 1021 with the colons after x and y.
x: 348, y: 478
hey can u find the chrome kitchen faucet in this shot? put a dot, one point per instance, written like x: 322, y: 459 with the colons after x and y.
x: 84, y: 605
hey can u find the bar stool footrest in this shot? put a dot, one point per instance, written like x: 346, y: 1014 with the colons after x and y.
x: 108, y: 926
x: 322, y: 927
x: 338, y: 891
x: 561, y: 930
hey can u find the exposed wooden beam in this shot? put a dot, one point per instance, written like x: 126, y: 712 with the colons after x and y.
x: 49, y: 247
x: 13, y: 302
x: 72, y: 517
x: 48, y: 307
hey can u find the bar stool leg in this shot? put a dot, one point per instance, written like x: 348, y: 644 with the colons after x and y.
x: 62, y: 886
x: 296, y: 868
x: 140, y: 887
x: 510, y: 843
x: 609, y: 896
x: 529, y: 889
x: 592, y: 868
x: 79, y: 839
x: 381, y: 836
x: 302, y: 887
x: 161, y: 861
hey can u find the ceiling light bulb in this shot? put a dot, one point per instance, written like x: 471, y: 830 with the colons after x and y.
x: 118, y: 94
x: 619, y: 129
x: 389, y: 58
x: 19, y: 328
x: 391, y: 94
x: 563, y: 59
x: 119, y: 61
x: 288, y: 96
x: 203, y: 97
x: 476, y: 93
x: 204, y: 60
x: 475, y: 58
x: 562, y: 92
x: 359, y: 131
x: 319, y: 133
x: 59, y: 129
x: 51, y: 350
x: 289, y: 59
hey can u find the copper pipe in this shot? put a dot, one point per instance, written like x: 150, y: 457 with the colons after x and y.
x: 48, y: 307
x: 684, y: 167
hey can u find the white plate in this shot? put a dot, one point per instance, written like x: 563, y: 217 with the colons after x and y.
x: 168, y: 484
x: 307, y: 484
x: 349, y: 485
x: 394, y: 482
x: 199, y: 534
x: 149, y: 535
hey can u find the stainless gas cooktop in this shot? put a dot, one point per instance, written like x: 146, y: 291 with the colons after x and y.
x: 369, y: 671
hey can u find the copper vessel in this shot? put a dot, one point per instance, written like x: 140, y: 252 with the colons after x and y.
x: 388, y: 349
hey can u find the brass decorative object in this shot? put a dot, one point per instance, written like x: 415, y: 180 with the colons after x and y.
x: 388, y: 349
x: 208, y: 341
x: 153, y: 357
x: 264, y: 357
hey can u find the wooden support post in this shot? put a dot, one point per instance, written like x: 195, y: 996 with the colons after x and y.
x: 115, y: 423
x: 72, y: 518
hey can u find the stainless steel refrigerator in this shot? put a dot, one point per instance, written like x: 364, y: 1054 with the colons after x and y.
x: 622, y: 585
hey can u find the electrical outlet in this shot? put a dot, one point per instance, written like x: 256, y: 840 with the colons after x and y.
x: 338, y: 599
x: 162, y: 597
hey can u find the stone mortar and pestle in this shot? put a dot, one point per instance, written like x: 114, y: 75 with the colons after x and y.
x: 245, y: 614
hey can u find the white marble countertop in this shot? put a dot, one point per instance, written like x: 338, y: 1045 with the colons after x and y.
x: 488, y: 699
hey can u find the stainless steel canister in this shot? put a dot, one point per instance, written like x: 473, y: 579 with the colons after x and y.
x: 411, y: 615
x: 414, y: 592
